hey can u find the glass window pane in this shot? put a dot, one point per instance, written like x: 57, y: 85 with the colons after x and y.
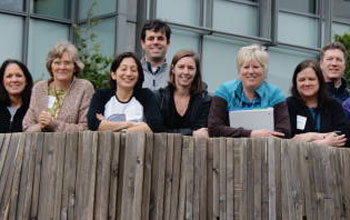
x: 101, y: 7
x: 105, y: 32
x: 282, y: 64
x: 182, y: 40
x: 219, y: 60
x: 305, y: 6
x: 16, y: 5
x: 11, y: 39
x: 53, y: 8
x: 228, y: 17
x: 42, y: 37
x: 341, y: 9
x: 338, y: 28
x: 180, y: 11
x: 306, y: 33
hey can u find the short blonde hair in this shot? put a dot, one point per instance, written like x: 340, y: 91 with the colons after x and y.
x: 57, y: 52
x: 253, y: 52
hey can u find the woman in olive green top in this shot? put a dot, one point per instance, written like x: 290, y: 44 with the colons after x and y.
x: 60, y: 103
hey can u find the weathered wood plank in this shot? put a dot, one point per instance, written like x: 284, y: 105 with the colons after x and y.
x: 216, y: 178
x: 147, y: 179
x: 183, y: 180
x: 114, y: 176
x: 175, y: 187
x: 69, y: 176
x: 7, y: 176
x: 222, y: 179
x: 27, y: 176
x: 158, y: 177
x: 257, y: 151
x: 168, y: 176
x: 202, y: 144
x: 5, y: 140
x: 51, y: 176
x: 189, y: 178
x: 86, y: 175
x: 210, y: 180
x: 230, y: 180
x: 16, y: 178
x: 104, y: 156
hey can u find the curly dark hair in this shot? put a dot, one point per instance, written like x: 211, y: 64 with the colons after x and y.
x: 116, y: 63
x: 26, y: 93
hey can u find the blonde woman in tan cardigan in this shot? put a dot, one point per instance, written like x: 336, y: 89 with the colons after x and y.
x: 60, y: 103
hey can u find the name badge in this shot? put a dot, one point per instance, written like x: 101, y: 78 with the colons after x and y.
x: 51, y: 102
x: 301, y: 122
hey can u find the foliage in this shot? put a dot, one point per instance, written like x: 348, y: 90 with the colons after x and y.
x: 96, y: 68
x: 345, y: 39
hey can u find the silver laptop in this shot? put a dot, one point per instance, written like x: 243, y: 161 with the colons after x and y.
x: 252, y: 119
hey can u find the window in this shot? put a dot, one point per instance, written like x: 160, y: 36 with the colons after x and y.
x: 11, y: 37
x: 16, y: 5
x: 42, y: 37
x: 53, y: 8
x: 101, y: 7
x: 341, y: 9
x: 235, y: 17
x: 304, y: 6
x: 180, y: 11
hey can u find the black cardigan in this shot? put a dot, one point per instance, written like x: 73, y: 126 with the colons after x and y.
x: 144, y: 96
x: 198, y: 113
x: 331, y: 113
x: 5, y: 117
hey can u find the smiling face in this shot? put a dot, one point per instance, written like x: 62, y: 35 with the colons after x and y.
x: 127, y: 74
x: 155, y: 46
x: 251, y: 74
x: 14, y: 80
x: 333, y: 64
x: 184, y: 72
x: 307, y: 83
x: 63, y: 68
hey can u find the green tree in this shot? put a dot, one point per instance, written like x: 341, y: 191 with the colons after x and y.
x: 345, y: 39
x: 96, y: 68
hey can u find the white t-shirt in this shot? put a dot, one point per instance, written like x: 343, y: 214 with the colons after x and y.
x: 116, y: 110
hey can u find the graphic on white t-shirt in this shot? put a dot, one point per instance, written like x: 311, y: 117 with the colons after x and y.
x: 120, y: 111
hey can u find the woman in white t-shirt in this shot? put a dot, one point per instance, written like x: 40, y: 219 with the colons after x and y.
x: 126, y: 105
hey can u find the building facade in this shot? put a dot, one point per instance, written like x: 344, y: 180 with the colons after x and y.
x: 216, y: 29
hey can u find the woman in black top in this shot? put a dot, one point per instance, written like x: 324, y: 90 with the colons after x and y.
x: 15, y: 90
x: 315, y: 117
x: 183, y: 103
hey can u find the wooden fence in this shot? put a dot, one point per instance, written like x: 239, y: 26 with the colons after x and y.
x: 104, y: 175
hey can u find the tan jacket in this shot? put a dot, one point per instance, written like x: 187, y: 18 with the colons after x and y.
x: 72, y: 116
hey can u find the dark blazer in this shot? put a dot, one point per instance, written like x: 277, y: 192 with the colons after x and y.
x: 5, y: 117
x: 144, y: 96
x: 198, y: 111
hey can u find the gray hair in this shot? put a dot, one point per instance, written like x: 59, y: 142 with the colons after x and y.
x: 253, y: 52
x: 57, y: 52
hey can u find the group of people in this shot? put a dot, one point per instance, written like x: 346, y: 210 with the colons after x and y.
x: 151, y: 95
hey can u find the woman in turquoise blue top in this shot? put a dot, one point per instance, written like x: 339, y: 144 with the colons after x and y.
x: 249, y: 92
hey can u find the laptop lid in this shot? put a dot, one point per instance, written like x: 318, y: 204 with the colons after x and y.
x: 252, y: 119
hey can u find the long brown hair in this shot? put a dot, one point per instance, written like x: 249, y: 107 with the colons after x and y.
x: 196, y: 86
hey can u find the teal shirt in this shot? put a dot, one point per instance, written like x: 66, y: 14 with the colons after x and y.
x: 267, y: 95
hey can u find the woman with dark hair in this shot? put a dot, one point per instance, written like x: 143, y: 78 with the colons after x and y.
x: 15, y: 90
x: 126, y: 106
x: 183, y: 103
x: 60, y: 103
x: 315, y: 117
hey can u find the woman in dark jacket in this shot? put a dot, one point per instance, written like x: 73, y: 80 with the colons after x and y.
x: 126, y: 106
x: 15, y: 90
x: 315, y: 117
x: 183, y: 103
